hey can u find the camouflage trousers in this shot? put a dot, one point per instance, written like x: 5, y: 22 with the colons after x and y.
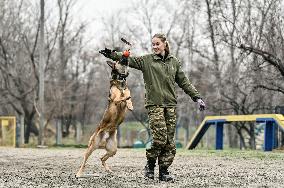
x: 162, y: 121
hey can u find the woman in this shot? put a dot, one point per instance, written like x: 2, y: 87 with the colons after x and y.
x: 161, y: 70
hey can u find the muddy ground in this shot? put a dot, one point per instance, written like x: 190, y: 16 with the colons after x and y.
x: 57, y: 167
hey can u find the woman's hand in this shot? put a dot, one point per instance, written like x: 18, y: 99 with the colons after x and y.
x: 201, y: 104
x: 106, y: 52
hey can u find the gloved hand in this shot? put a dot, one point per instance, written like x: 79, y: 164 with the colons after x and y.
x: 106, y: 52
x: 201, y: 104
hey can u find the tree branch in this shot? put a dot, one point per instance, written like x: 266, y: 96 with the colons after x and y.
x: 268, y: 57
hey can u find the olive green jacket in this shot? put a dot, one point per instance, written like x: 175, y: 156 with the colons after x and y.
x: 160, y: 77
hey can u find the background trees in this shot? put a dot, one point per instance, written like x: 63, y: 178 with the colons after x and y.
x: 231, y: 50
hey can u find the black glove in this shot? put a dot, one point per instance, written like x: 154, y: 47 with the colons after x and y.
x: 106, y: 52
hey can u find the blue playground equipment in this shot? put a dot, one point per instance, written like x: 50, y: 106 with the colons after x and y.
x: 270, y: 121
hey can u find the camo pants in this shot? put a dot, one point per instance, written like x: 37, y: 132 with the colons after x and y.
x: 162, y: 121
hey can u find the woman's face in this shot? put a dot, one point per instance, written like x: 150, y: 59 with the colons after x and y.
x: 158, y: 46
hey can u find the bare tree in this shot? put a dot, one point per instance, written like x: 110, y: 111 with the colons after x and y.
x: 19, y: 82
x: 19, y: 45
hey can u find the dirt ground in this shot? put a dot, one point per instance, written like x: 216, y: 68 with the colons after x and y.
x: 57, y: 167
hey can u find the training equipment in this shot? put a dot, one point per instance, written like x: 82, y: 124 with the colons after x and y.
x: 7, y: 131
x: 270, y: 120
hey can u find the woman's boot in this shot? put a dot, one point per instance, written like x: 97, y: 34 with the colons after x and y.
x: 149, y: 169
x: 164, y: 175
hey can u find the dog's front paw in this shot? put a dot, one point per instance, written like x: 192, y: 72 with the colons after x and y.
x: 129, y: 105
x: 130, y: 108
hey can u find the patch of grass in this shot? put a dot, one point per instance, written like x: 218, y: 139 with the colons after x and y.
x: 132, y: 126
x: 232, y: 153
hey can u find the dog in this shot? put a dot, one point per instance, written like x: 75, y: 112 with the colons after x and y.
x: 106, y: 132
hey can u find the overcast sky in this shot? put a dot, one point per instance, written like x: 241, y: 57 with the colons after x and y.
x: 92, y: 10
x: 91, y: 7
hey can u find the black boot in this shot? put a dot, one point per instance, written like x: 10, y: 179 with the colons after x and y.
x: 164, y: 175
x: 149, y: 169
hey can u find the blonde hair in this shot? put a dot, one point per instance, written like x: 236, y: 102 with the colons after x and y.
x: 163, y: 39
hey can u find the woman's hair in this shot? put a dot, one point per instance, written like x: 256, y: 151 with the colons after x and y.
x: 163, y: 39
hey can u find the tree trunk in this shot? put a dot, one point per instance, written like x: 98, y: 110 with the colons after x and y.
x: 242, y: 140
x: 252, y: 136
x: 30, y: 128
x: 41, y: 76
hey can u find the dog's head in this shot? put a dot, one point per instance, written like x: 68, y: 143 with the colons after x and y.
x: 119, y: 71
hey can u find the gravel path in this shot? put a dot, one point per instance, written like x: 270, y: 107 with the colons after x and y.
x: 57, y: 167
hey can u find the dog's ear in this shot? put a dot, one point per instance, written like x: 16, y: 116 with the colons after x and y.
x: 111, y: 64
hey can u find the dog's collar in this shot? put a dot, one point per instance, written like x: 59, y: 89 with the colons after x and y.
x: 120, y: 77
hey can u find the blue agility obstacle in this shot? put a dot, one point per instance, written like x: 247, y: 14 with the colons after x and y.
x: 270, y: 121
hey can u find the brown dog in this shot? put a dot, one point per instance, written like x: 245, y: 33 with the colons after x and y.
x: 119, y: 101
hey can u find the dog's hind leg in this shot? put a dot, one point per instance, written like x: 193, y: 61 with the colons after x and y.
x: 93, y: 144
x: 111, y: 148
